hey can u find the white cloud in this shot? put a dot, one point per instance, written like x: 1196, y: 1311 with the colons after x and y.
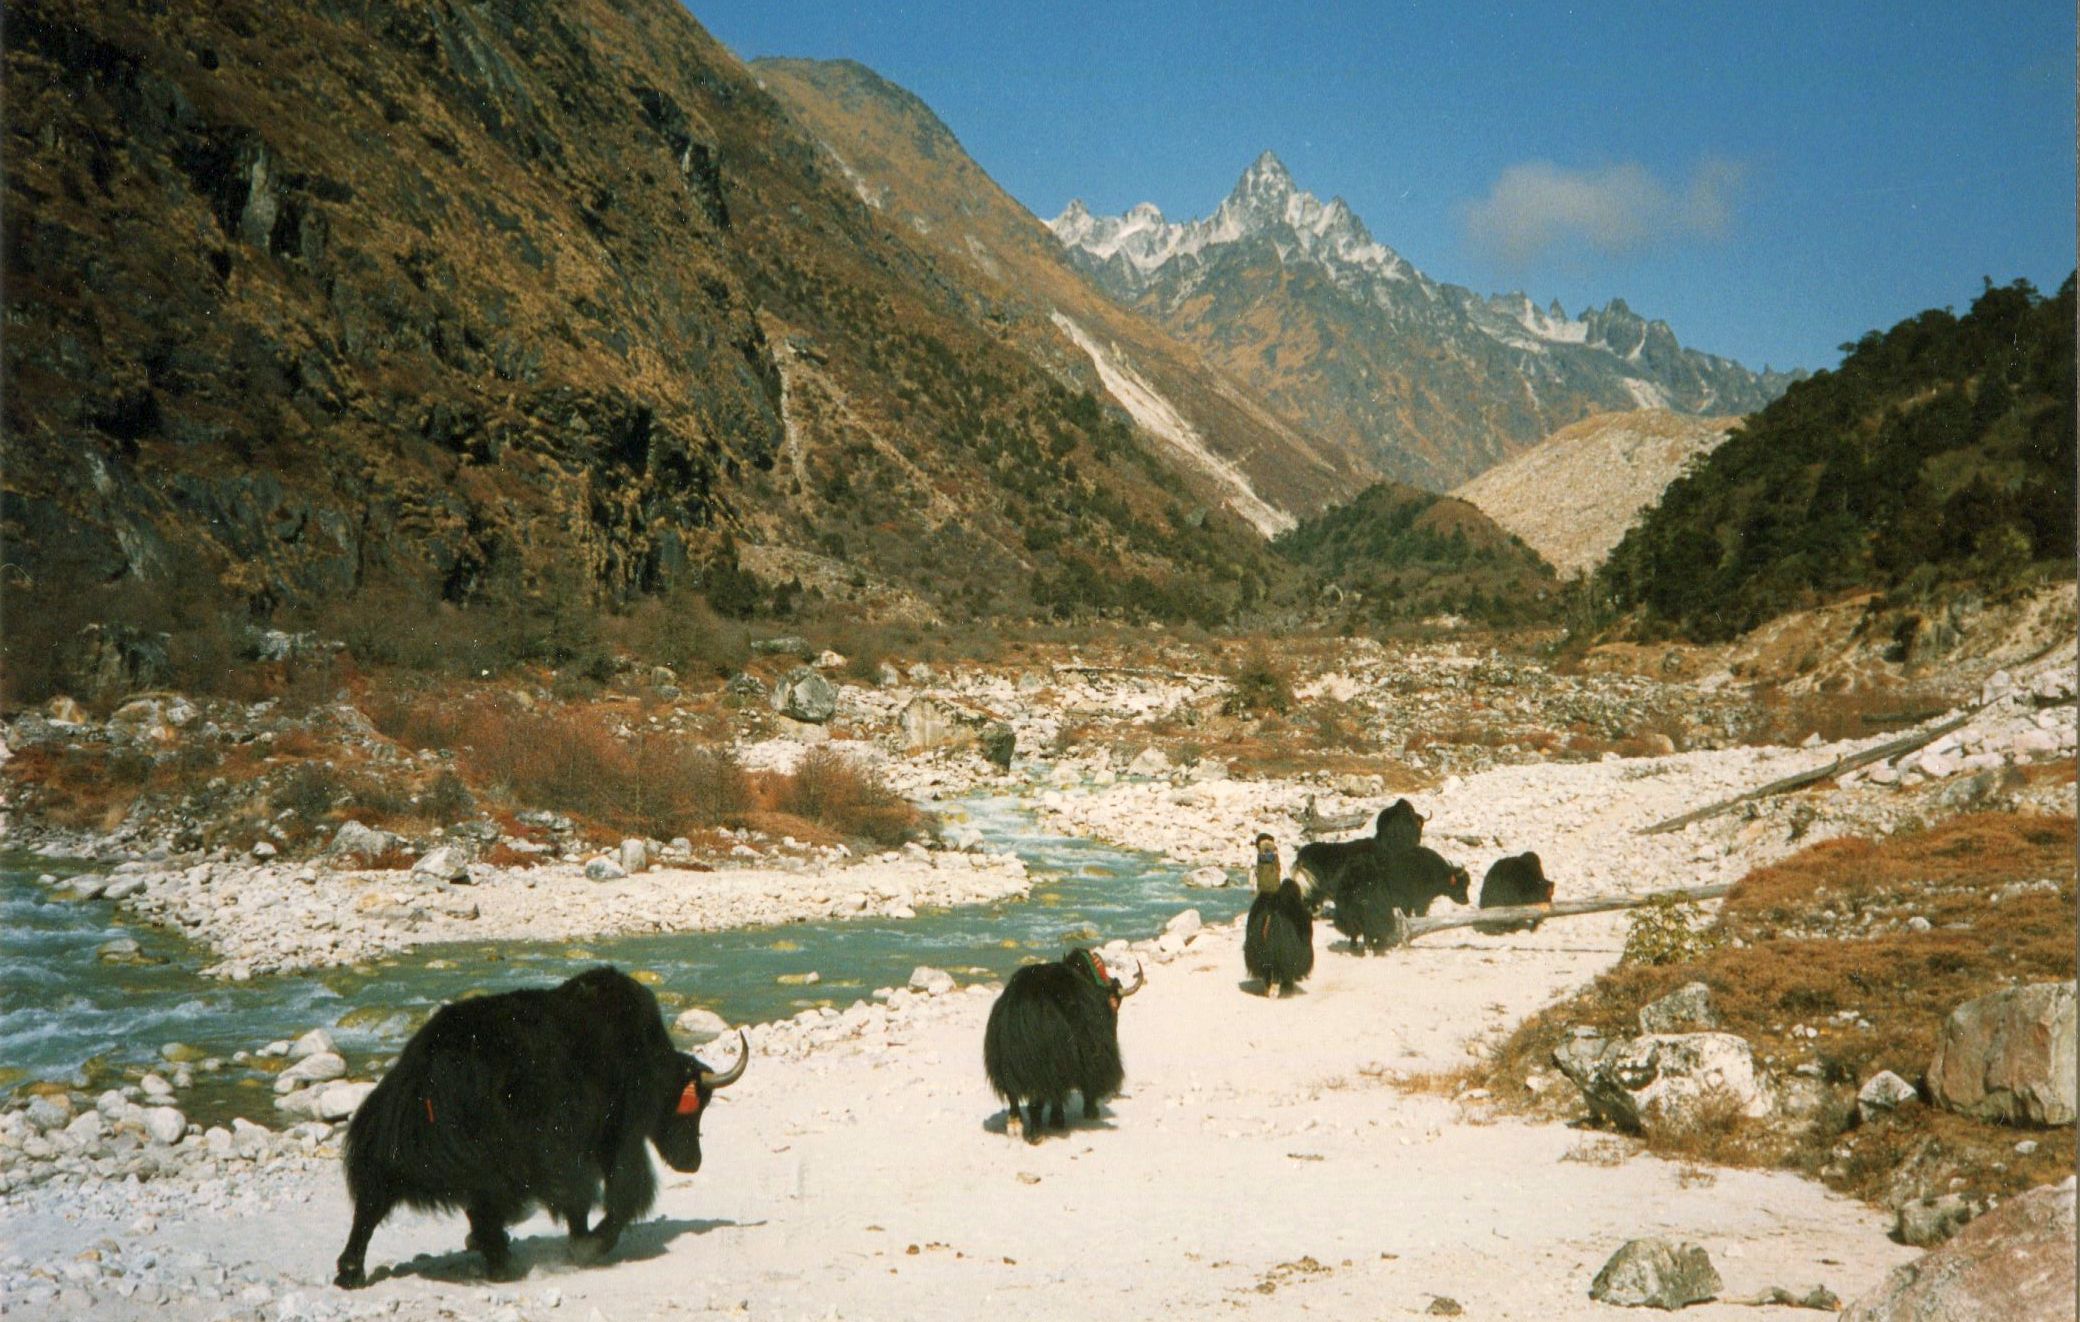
x: 1616, y: 209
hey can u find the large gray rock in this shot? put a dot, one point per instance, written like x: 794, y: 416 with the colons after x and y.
x: 1665, y: 1082
x: 1927, y: 1222
x: 2016, y: 1262
x: 446, y: 863
x: 1654, y: 1273
x: 359, y: 841
x: 1686, y: 1009
x: 928, y: 723
x: 2009, y: 1057
x: 806, y: 696
x: 604, y: 868
x: 634, y: 856
x: 999, y: 743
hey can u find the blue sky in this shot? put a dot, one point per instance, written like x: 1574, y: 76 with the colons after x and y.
x: 1771, y: 179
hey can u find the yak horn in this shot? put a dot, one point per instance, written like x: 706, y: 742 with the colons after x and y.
x: 1140, y: 980
x: 717, y: 1082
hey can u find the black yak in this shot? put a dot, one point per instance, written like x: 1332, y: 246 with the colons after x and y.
x: 1518, y: 879
x: 1278, y: 939
x: 1407, y: 880
x: 1324, y: 867
x: 1053, y: 1030
x: 545, y: 1096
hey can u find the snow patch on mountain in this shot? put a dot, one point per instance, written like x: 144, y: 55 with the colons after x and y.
x: 1265, y: 200
x: 1645, y: 393
x: 1147, y: 406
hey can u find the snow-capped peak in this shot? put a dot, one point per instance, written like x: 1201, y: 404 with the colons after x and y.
x: 1265, y: 200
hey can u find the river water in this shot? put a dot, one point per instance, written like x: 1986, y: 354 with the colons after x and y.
x: 65, y: 1014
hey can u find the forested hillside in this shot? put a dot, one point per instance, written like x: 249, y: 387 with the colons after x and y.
x: 1940, y: 452
x: 1402, y: 554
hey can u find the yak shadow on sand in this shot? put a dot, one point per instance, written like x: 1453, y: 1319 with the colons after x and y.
x: 1255, y: 987
x: 550, y: 1251
x: 1077, y: 1124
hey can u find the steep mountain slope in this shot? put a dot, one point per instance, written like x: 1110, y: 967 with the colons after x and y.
x: 907, y: 165
x: 1573, y: 495
x: 1397, y: 554
x: 532, y: 303
x: 1428, y: 381
x: 1941, y: 452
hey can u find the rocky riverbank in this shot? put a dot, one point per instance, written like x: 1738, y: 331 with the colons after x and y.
x: 265, y: 919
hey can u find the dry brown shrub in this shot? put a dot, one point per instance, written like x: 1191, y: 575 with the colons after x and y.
x: 834, y: 791
x: 1801, y: 967
x: 503, y: 855
x: 1781, y: 718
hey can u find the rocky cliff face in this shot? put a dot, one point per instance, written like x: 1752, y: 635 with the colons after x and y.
x: 1427, y: 381
x: 528, y: 300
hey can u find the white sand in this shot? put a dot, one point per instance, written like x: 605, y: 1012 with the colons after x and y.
x: 1253, y: 1134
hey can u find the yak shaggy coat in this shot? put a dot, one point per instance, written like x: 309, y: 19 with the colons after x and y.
x: 544, y: 1096
x: 1278, y: 939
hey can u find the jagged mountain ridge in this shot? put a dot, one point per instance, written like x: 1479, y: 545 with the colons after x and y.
x: 536, y: 300
x: 1572, y: 496
x: 1426, y: 380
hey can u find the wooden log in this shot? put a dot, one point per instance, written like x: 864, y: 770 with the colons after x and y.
x: 1410, y: 928
x: 1893, y: 748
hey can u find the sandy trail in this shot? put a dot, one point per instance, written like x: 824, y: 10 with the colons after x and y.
x: 1259, y: 1163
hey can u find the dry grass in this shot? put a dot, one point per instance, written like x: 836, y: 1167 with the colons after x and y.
x: 1780, y: 718
x: 1826, y: 949
x: 574, y: 762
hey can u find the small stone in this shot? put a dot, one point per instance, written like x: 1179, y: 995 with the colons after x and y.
x: 701, y: 1024
x: 931, y: 981
x: 604, y: 868
x: 1184, y: 924
x: 264, y: 849
x: 313, y: 1043
x: 1444, y: 1305
x: 1882, y: 1094
x: 165, y: 1124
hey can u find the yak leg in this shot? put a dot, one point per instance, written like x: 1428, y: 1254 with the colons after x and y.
x: 1014, y: 1124
x: 630, y: 1187
x: 1090, y: 1105
x: 487, y: 1235
x: 1058, y: 1111
x: 352, y: 1272
x: 1036, y: 1119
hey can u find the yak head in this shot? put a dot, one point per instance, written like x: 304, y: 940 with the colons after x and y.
x: 1091, y: 965
x: 678, y: 1135
x: 1399, y: 825
x: 1458, y: 886
x: 1545, y: 895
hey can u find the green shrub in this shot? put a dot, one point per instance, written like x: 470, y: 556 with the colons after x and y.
x: 1669, y: 930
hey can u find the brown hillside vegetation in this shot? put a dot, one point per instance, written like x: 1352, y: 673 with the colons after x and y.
x: 516, y: 307
x: 1821, y: 942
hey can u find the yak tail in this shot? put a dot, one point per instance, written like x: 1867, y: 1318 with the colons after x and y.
x: 1303, y: 878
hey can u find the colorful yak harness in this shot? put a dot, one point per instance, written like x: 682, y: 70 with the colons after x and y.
x: 1094, y: 968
